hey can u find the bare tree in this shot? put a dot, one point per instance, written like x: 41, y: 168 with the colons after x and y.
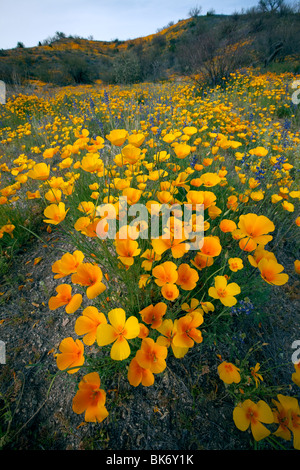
x: 211, y: 59
x: 195, y: 11
x: 272, y: 6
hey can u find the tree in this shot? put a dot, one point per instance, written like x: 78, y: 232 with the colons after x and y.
x: 211, y: 58
x: 211, y: 12
x: 59, y: 35
x: 195, y: 11
x: 270, y: 6
x: 78, y: 68
x: 126, y: 68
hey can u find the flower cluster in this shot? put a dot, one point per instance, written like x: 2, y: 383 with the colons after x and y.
x: 138, y: 298
x: 283, y: 414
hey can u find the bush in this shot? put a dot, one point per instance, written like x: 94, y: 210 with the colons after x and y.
x: 126, y: 68
x: 78, y: 69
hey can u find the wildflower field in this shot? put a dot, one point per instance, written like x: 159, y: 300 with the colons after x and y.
x: 186, y: 340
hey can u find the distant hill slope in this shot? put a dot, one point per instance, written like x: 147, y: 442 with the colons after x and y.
x: 211, y: 44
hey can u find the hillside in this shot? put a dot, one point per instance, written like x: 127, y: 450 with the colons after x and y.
x: 213, y: 44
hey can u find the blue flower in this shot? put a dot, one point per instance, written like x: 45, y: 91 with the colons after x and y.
x: 245, y: 307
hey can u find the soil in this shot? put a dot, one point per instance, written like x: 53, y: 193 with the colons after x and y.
x: 187, y: 408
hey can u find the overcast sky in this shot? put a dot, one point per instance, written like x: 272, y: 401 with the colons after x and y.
x: 31, y: 21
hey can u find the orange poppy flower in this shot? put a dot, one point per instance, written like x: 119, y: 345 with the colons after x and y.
x: 118, y: 332
x: 259, y: 254
x: 144, y: 280
x: 237, y: 234
x: 169, y: 138
x: 68, y: 264
x: 287, y: 415
x: 53, y: 195
x: 254, y: 372
x: 196, y: 182
x: 152, y: 356
x: 214, y: 211
x: 137, y: 374
x: 193, y: 307
x: 207, y: 307
x: 153, y: 314
x: 131, y: 154
x: 72, y: 355
x: 227, y: 225
x: 210, y: 179
x: 232, y: 203
x: 258, y: 151
x: 90, y: 399
x: 81, y: 224
x: 190, y: 130
x: 168, y: 241
x: 136, y: 139
x: 281, y: 416
x: 144, y: 331
x: 150, y: 256
x: 247, y: 244
x: 170, y: 291
x: 35, y: 195
x: 187, y: 277
x: 229, y: 373
x: 182, y: 150
x: 55, y: 213
x: 202, y: 261
x: 251, y: 414
x: 64, y: 297
x: 169, y: 329
x: 133, y: 195
x: 195, y: 198
x: 117, y: 137
x: 187, y: 332
x: 40, y: 171
x: 88, y: 207
x: 181, y: 181
x: 165, y: 197
x: 224, y: 292
x: 235, y: 264
x: 88, y: 323
x: 256, y: 227
x: 296, y: 374
x: 91, y: 230
x: 271, y: 272
x: 90, y: 275
x: 297, y: 266
x: 7, y: 228
x: 198, y: 167
x: 92, y: 163
x: 165, y: 273
x: 209, y: 200
x: 211, y: 247
x: 207, y: 161
x: 127, y: 250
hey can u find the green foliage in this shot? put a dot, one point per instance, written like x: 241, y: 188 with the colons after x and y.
x: 126, y: 69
